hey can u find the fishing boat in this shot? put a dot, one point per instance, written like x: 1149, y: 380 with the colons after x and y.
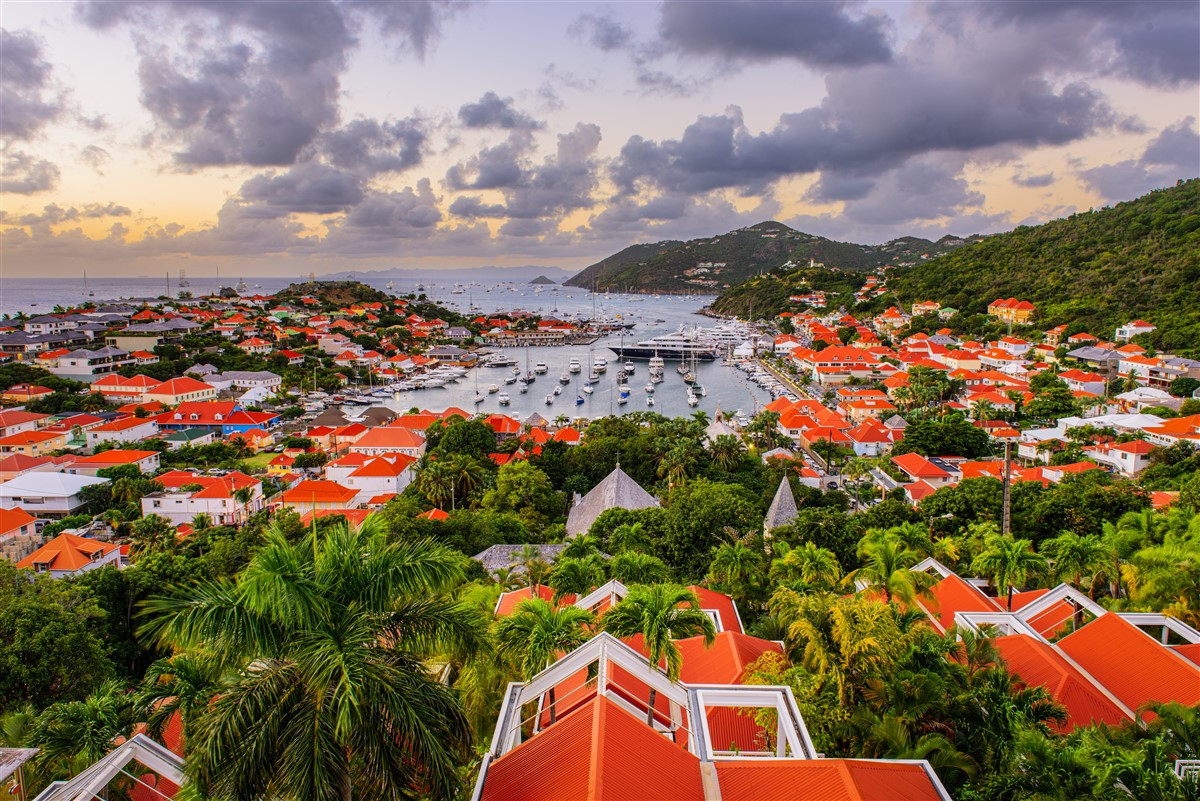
x: 629, y: 367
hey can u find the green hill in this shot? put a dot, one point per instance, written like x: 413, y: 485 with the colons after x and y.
x: 1094, y: 270
x: 716, y: 263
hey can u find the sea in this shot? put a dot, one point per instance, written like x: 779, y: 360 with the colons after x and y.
x: 725, y: 386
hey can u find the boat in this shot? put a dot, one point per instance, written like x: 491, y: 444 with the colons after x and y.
x: 588, y: 388
x: 499, y: 360
x: 692, y: 399
x: 656, y: 363
x: 600, y: 365
x: 657, y: 378
x: 549, y: 400
x: 699, y: 390
x: 516, y: 370
x: 578, y: 400
x: 512, y: 379
x: 558, y: 390
x: 540, y: 368
x: 493, y: 389
x: 479, y: 396
x: 529, y: 377
x: 574, y: 366
x: 624, y: 399
x: 623, y: 389
x: 593, y: 376
x: 649, y: 389
x: 504, y: 399
x: 681, y: 345
x: 629, y: 366
x: 241, y: 287
x: 524, y: 388
x: 649, y: 400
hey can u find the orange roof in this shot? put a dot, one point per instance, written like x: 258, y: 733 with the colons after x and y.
x: 824, y: 779
x: 180, y: 386
x: 1048, y: 622
x: 597, y: 751
x: 1038, y: 664
x: 918, y: 466
x: 725, y: 661
x: 353, y: 516
x: 382, y: 468
x: 114, y: 457
x: 1131, y: 664
x: 314, y: 491
x: 952, y: 595
x: 67, y: 552
x: 392, y: 438
x: 434, y: 514
x: 721, y: 603
x: 567, y: 434
x: 509, y: 601
x: 13, y: 519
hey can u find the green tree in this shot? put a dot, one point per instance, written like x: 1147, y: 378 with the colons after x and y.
x: 526, y: 491
x: 888, y: 566
x: 538, y: 633
x: 322, y: 641
x: 1009, y: 563
x: 631, y: 567
x: 150, y: 534
x: 74, y: 734
x: 809, y: 565
x: 572, y: 576
x: 738, y: 569
x: 661, y: 613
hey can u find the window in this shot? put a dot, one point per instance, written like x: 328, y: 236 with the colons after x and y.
x: 41, y: 567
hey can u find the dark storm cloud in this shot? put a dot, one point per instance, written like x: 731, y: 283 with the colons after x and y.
x: 374, y: 147
x: 397, y: 213
x: 820, y: 34
x: 252, y: 82
x: 602, y: 31
x: 304, y: 189
x: 1170, y: 156
x: 1151, y: 41
x: 26, y: 94
x: 923, y: 188
x: 493, y: 111
x: 873, y: 119
x: 27, y: 175
x: 562, y: 183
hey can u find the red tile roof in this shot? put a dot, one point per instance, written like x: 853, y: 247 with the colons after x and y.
x: 722, y: 603
x: 598, y: 752
x: 1131, y: 664
x: 67, y: 552
x: 824, y: 779
x: 1038, y: 664
x: 952, y: 595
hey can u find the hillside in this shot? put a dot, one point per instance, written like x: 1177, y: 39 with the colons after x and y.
x: 1093, y: 271
x: 716, y: 263
x: 333, y: 293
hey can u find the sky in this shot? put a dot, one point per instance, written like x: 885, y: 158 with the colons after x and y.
x: 332, y: 135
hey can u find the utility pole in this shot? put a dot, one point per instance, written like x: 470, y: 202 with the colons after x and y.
x: 1006, y: 527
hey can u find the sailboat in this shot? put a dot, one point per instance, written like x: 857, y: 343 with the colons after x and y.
x: 479, y: 396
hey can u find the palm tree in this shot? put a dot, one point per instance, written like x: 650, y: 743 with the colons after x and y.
x: 202, y: 522
x: 576, y: 577
x: 677, y: 464
x: 887, y: 567
x: 323, y: 642
x: 436, y: 483
x: 1119, y: 545
x: 809, y: 564
x: 182, y: 684
x: 727, y: 451
x: 1147, y: 525
x: 738, y: 569
x: 536, y: 568
x: 854, y: 470
x: 582, y: 546
x: 508, y: 578
x: 629, y: 538
x: 1009, y: 564
x: 1073, y: 556
x: 466, y: 473
x: 537, y: 634
x: 661, y: 613
x: 151, y: 533
x: 74, y: 734
x: 631, y: 567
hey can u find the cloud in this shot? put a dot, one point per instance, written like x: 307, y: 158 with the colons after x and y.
x: 492, y: 111
x: 250, y: 82
x: 27, y: 175
x: 26, y: 92
x: 562, y: 183
x: 923, y: 188
x: 307, y: 188
x: 1149, y: 41
x: 95, y: 157
x: 940, y: 95
x: 819, y: 34
x: 53, y: 214
x: 1033, y: 181
x: 375, y: 148
x: 602, y: 31
x: 1170, y: 156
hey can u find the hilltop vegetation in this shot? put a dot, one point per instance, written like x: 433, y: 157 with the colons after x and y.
x: 333, y: 293
x: 764, y: 296
x: 1095, y: 270
x: 730, y: 258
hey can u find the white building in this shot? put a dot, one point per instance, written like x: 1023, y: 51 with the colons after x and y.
x: 127, y: 429
x: 181, y: 501
x: 86, y: 365
x: 46, y: 495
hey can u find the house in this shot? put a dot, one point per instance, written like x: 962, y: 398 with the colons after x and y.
x: 187, y: 437
x: 1011, y: 310
x: 221, y: 417
x: 1080, y: 381
x: 18, y: 464
x: 118, y: 389
x: 389, y: 439
x: 19, y: 535
x: 19, y: 421
x: 615, y: 491
x: 145, y: 461
x: 123, y: 429
x: 1132, y: 329
x: 229, y: 500
x: 255, y: 345
x: 933, y: 471
x: 70, y: 555
x: 181, y: 390
x: 86, y: 365
x: 46, y: 494
x: 34, y: 443
x: 312, y: 495
x: 1127, y: 458
x: 25, y: 393
x: 371, y: 476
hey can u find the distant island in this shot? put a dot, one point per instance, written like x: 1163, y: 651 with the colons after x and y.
x: 541, y: 279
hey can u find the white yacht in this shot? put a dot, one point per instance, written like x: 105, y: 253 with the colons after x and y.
x: 504, y: 399
x: 540, y: 368
x: 493, y: 389
x: 683, y: 344
x: 574, y: 366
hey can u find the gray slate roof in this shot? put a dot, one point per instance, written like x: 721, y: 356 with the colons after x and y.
x: 616, y: 491
x: 333, y: 416
x: 783, y: 511
x: 507, y: 556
